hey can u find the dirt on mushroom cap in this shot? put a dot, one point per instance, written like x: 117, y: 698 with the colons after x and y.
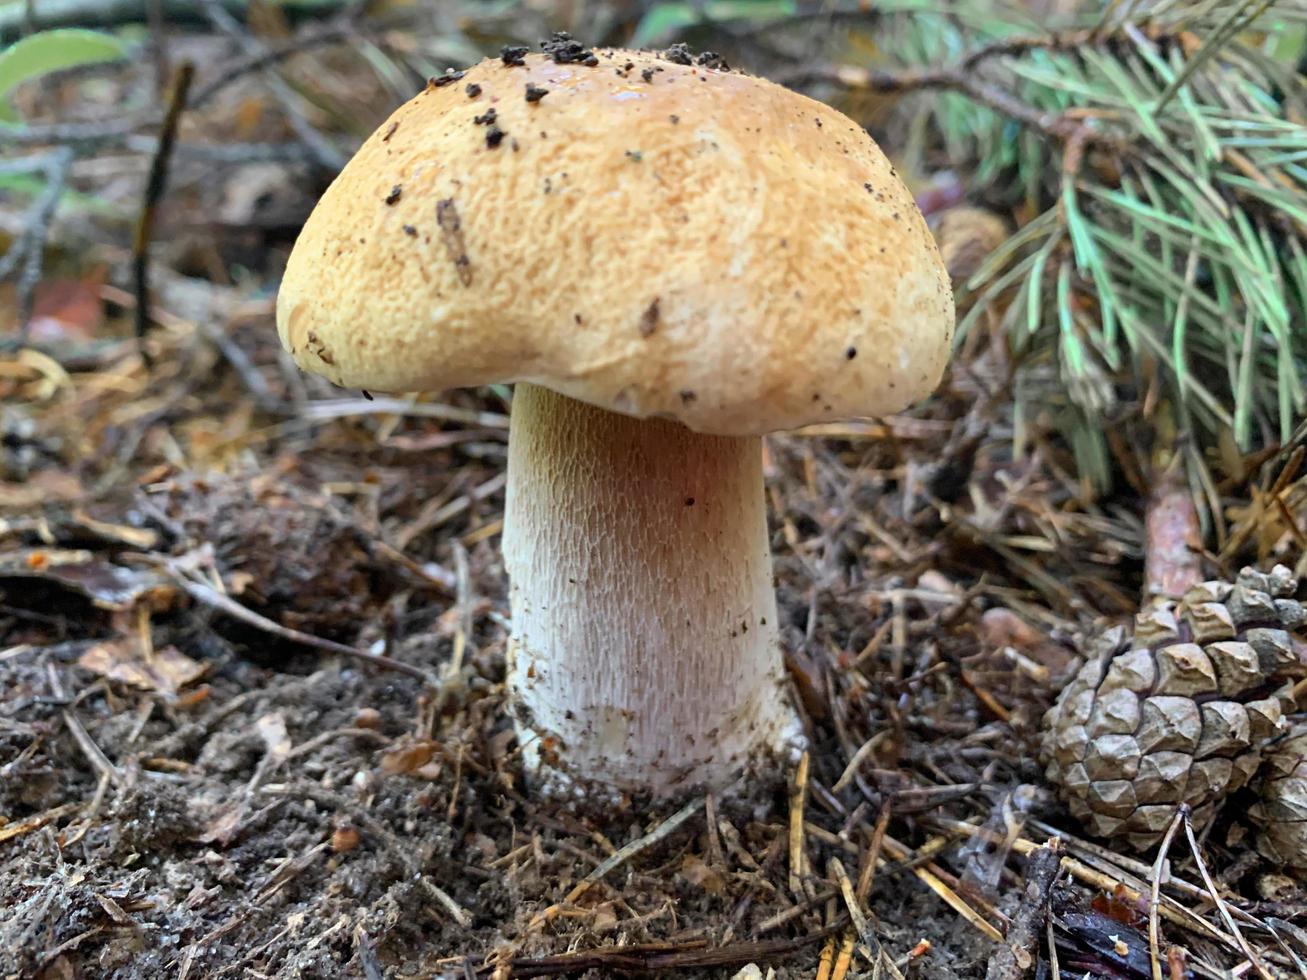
x: 737, y: 206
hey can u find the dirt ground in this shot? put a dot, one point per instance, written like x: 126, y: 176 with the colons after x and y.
x: 252, y: 637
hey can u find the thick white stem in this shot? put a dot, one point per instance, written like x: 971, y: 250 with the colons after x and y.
x: 644, y: 652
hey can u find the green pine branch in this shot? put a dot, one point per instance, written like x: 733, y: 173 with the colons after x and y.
x: 1163, y: 151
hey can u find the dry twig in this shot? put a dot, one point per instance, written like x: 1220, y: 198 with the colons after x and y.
x: 1018, y: 955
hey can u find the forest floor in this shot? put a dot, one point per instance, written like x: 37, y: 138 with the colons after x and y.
x: 252, y: 646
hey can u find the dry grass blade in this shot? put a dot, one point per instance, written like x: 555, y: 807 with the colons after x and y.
x: 949, y: 896
x: 456, y: 911
x: 9, y: 831
x: 798, y: 795
x: 856, y: 915
x: 1170, y: 910
x: 1154, y: 897
x: 664, y: 829
x: 844, y: 958
x: 210, y: 596
x: 93, y: 753
x: 871, y: 857
x: 1221, y: 907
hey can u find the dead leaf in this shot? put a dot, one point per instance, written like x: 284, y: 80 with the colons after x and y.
x: 114, y: 910
x: 45, y: 487
x: 167, y: 671
x: 67, y: 310
x: 107, y: 585
x: 605, y: 918
x: 407, y: 757
x: 224, y: 826
x: 696, y: 872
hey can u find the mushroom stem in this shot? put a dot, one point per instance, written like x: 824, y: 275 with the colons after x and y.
x: 644, y: 653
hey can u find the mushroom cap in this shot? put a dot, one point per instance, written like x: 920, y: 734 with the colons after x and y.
x: 650, y: 237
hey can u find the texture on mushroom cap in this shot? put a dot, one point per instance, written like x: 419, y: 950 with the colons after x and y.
x: 653, y: 238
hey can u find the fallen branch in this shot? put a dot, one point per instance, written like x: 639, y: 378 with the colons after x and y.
x: 181, y: 84
x: 692, y: 955
x: 19, y: 15
x: 26, y: 254
x: 1017, y: 957
x: 210, y: 596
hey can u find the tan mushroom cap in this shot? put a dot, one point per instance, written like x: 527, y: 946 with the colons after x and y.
x: 657, y: 240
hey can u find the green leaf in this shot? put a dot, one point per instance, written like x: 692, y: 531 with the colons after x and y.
x: 40, y: 54
x: 30, y: 185
x: 665, y: 19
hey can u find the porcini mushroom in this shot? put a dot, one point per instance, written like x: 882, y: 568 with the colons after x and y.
x: 670, y: 260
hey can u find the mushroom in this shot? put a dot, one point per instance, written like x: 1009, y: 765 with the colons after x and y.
x: 670, y: 261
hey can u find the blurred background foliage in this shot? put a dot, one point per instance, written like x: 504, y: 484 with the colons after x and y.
x: 1143, y: 162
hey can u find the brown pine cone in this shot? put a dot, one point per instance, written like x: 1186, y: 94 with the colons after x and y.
x: 1178, y: 711
x: 967, y: 236
x: 1281, y: 811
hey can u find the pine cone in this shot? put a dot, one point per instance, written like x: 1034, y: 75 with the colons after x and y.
x: 967, y: 236
x: 1179, y: 711
x: 1281, y: 811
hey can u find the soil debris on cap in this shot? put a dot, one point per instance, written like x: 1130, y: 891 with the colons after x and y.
x: 473, y: 90
x: 451, y: 232
x: 647, y: 74
x: 411, y: 231
x: 679, y: 54
x: 486, y: 118
x: 390, y: 131
x: 395, y: 194
x: 711, y: 59
x: 448, y: 78
x: 315, y: 346
x: 564, y: 50
x: 649, y: 319
x: 513, y: 55
x: 494, y: 136
x: 534, y: 93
